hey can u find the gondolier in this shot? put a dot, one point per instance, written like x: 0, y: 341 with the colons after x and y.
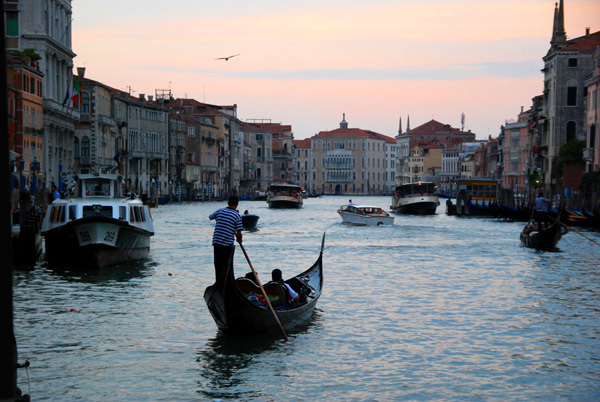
x: 227, y: 230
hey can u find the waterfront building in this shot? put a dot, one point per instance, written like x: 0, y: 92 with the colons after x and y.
x: 592, y: 151
x: 349, y: 161
x: 95, y: 144
x: 515, y: 150
x: 302, y: 154
x: 260, y: 157
x: 177, y: 155
x: 282, y: 147
x: 43, y: 28
x: 26, y: 120
x: 450, y: 171
x: 432, y: 134
x: 567, y: 65
x: 145, y: 153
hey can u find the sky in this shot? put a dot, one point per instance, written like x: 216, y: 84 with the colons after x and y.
x: 306, y: 63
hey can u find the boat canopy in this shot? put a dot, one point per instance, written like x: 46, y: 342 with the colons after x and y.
x: 101, y: 185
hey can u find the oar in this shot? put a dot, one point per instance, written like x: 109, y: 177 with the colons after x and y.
x: 578, y: 232
x: 264, y: 293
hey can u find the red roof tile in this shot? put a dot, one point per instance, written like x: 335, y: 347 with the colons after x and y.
x: 587, y: 43
x: 302, y: 143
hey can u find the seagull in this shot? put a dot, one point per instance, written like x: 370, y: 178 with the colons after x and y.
x: 228, y: 57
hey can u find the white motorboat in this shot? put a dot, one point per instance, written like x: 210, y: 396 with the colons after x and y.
x: 415, y: 198
x: 364, y: 215
x: 284, y: 195
x: 98, y: 227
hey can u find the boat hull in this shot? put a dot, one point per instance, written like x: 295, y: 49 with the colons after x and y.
x: 235, y: 314
x: 546, y: 239
x: 358, y: 220
x: 96, y: 242
x: 284, y: 202
x: 416, y: 205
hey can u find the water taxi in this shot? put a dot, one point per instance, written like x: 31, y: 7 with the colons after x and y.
x: 97, y: 227
x: 415, y: 198
x: 284, y: 195
x: 364, y: 215
x: 475, y: 197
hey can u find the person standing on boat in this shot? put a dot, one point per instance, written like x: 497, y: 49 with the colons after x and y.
x: 227, y: 229
x: 541, y: 210
x: 55, y: 193
x: 350, y: 202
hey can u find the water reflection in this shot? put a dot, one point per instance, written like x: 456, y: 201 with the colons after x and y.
x: 225, y: 360
x: 116, y: 273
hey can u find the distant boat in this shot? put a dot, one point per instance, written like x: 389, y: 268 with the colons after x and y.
x: 249, y: 221
x: 548, y: 238
x: 364, y: 215
x: 284, y: 195
x: 415, y: 198
x: 99, y: 227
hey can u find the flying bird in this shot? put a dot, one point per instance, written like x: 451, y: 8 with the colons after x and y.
x: 228, y: 57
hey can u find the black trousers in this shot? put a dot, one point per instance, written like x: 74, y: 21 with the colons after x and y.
x: 223, y: 260
x: 542, y: 219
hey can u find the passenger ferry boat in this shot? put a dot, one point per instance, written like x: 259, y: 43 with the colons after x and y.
x: 98, y: 227
x: 475, y: 197
x: 364, y: 215
x: 284, y: 195
x: 415, y: 198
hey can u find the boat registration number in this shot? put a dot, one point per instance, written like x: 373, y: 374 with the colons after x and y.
x: 88, y: 236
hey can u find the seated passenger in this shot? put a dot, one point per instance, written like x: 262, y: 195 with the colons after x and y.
x: 292, y: 296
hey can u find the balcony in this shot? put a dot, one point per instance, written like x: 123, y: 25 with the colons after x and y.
x: 588, y: 154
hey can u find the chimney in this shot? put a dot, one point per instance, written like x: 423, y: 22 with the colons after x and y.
x: 142, y: 97
x: 521, y: 109
x: 150, y: 98
x: 587, y: 31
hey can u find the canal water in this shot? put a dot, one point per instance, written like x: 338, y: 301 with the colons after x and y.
x: 435, y: 307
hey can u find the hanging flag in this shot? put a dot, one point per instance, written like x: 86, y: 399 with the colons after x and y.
x: 117, y: 159
x: 67, y: 97
x: 75, y: 95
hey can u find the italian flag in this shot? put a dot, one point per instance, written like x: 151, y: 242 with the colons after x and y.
x: 76, y: 90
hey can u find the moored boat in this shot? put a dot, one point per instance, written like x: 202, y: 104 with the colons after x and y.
x: 230, y: 302
x: 284, y: 195
x: 98, y: 227
x: 364, y: 215
x: 547, y: 238
x: 415, y: 198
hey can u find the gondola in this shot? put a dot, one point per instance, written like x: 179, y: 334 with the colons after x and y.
x: 546, y: 239
x: 234, y: 313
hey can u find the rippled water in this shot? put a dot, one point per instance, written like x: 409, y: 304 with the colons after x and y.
x: 432, y: 307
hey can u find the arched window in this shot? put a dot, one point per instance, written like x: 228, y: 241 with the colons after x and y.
x: 571, y: 131
x: 85, y: 102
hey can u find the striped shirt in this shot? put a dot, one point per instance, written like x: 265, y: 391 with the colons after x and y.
x: 228, y: 222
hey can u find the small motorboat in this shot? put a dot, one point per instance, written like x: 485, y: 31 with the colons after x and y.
x: 364, y: 215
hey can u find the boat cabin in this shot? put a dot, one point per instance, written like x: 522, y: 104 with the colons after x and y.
x: 419, y: 189
x: 483, y: 190
x: 101, y: 185
x: 288, y: 190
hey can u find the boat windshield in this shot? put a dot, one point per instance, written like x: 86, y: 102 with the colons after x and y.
x: 97, y: 187
x: 284, y: 190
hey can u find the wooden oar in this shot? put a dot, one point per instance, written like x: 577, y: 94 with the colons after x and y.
x: 578, y: 232
x: 264, y: 293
